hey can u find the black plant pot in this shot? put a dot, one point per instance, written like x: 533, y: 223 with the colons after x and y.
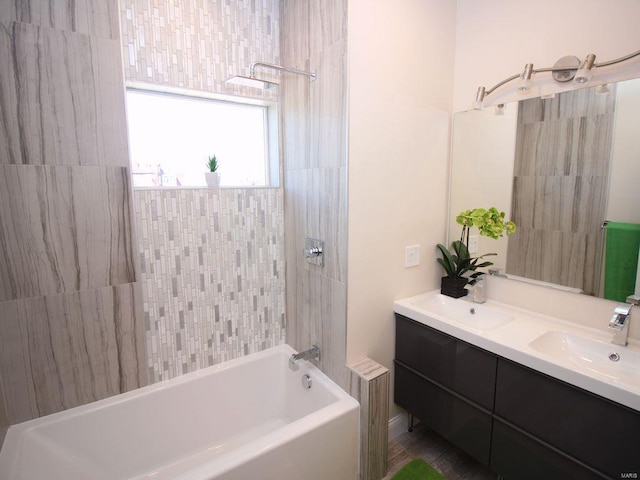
x: 453, y: 287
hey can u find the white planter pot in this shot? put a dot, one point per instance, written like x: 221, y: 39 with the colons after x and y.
x: 213, y: 179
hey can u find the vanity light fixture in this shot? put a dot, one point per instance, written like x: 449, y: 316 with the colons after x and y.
x: 253, y: 81
x: 565, y: 69
x: 584, y: 73
x: 525, y: 79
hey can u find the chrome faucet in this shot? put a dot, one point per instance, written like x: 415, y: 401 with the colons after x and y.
x: 620, y: 323
x: 313, y: 352
x: 479, y: 289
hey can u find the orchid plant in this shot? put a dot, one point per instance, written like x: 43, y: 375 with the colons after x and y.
x: 490, y: 222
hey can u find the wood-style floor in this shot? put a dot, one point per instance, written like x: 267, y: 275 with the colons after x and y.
x: 449, y: 460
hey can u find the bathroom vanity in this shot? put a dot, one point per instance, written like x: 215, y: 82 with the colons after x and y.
x: 526, y: 395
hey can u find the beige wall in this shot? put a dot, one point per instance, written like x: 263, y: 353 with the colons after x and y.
x: 482, y: 149
x: 625, y: 167
x: 400, y: 91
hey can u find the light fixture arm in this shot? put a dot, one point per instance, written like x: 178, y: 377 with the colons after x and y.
x: 617, y: 60
x: 483, y: 93
x: 280, y: 68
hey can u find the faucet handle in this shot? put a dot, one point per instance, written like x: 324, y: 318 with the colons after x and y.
x: 633, y: 299
x: 617, y: 321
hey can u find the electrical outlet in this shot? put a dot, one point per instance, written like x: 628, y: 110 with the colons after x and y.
x: 473, y: 243
x: 412, y: 256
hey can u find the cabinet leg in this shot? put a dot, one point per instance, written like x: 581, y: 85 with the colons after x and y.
x: 410, y: 421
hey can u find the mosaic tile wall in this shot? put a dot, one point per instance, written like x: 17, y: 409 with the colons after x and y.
x: 198, y: 44
x: 212, y: 261
x: 212, y: 270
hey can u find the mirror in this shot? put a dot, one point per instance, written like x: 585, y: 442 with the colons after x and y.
x: 560, y: 167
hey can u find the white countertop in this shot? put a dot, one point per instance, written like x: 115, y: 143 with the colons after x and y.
x: 513, y: 340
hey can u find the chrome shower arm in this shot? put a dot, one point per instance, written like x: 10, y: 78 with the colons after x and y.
x: 280, y: 68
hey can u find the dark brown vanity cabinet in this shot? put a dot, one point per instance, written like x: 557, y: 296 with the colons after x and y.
x: 521, y: 423
x: 591, y: 430
x: 446, y: 383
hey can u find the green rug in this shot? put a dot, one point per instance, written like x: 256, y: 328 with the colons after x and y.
x: 417, y: 469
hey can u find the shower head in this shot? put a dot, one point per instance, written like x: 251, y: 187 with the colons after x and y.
x: 251, y: 82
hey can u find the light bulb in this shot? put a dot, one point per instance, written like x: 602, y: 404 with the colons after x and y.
x: 525, y: 79
x: 478, y: 103
x: 585, y: 71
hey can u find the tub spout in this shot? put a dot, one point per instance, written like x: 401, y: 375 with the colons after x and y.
x: 313, y: 352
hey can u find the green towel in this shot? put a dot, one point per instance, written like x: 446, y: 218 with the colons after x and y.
x: 621, y: 261
x: 417, y: 469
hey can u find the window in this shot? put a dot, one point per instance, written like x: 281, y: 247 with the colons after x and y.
x: 171, y: 137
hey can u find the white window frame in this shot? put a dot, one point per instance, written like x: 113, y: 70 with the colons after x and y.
x: 272, y: 166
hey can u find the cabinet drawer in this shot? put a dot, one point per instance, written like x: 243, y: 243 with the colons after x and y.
x: 520, y: 457
x: 456, y: 420
x: 594, y: 430
x: 453, y: 363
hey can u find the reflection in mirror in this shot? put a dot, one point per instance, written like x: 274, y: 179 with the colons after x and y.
x: 560, y: 168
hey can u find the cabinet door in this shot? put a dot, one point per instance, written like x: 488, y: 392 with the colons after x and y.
x: 517, y: 456
x: 594, y: 430
x: 453, y: 363
x: 455, y: 419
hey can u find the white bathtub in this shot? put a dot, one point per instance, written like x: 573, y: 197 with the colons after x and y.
x: 249, y: 418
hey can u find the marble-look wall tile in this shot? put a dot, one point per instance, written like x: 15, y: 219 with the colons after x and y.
x: 61, y: 98
x: 295, y: 120
x: 328, y: 132
x: 314, y: 152
x: 198, y: 45
x: 564, y: 258
x: 563, y: 203
x: 212, y: 264
x: 574, y: 146
x: 369, y: 383
x: 326, y: 218
x: 328, y: 25
x: 316, y: 208
x: 60, y: 351
x: 92, y: 17
x: 563, y: 151
x: 64, y: 229
x: 320, y: 319
x: 71, y: 326
x: 579, y: 103
x: 295, y: 20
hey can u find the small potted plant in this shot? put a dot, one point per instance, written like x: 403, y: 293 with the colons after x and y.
x: 212, y: 176
x: 458, y: 264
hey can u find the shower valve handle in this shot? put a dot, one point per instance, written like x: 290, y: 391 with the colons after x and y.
x: 312, y: 252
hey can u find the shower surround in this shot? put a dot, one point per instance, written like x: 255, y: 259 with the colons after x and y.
x: 71, y: 325
x: 212, y: 261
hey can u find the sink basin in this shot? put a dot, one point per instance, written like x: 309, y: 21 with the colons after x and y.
x: 614, y: 361
x: 477, y: 317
